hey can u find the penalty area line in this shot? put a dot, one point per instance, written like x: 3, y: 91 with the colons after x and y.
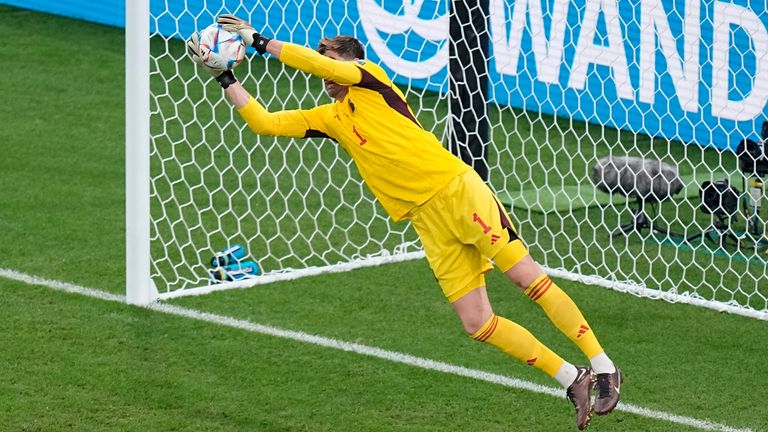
x: 365, y: 350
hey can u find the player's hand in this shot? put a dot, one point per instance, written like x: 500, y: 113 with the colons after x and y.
x: 214, y: 64
x: 242, y: 27
x: 237, y: 25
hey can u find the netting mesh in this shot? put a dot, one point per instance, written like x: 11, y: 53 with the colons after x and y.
x: 566, y: 85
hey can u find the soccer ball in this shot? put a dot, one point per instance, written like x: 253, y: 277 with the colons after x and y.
x: 228, y: 45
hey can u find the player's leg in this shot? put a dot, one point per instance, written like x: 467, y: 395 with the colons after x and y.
x: 558, y: 306
x: 495, y: 236
x: 479, y: 321
x: 459, y: 269
x: 523, y: 271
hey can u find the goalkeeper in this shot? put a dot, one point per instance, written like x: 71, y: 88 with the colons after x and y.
x: 459, y: 220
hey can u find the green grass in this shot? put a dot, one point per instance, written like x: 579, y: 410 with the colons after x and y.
x: 76, y: 363
x: 62, y: 146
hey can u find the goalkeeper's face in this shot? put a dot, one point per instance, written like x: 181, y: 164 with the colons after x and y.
x: 335, y: 91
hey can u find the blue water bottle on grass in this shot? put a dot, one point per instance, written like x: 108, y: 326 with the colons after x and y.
x: 228, y: 256
x: 237, y: 271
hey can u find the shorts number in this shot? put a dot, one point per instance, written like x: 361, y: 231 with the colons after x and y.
x: 476, y: 218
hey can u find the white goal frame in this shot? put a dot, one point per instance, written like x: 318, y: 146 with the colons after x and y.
x: 139, y: 286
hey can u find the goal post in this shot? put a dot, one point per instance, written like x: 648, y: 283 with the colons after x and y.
x: 545, y: 89
x: 469, y: 41
x: 139, y: 286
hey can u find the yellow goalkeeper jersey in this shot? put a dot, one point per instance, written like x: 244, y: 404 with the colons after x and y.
x: 403, y: 164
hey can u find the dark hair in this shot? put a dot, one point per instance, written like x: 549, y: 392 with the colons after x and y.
x: 346, y: 46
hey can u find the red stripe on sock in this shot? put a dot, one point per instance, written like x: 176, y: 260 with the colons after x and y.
x: 489, y: 331
x: 543, y: 290
x: 491, y: 328
x: 538, y: 286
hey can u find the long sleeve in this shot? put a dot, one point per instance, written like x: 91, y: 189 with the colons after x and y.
x: 290, y: 123
x: 345, y: 73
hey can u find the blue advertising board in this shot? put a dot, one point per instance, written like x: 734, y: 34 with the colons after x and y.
x: 690, y: 70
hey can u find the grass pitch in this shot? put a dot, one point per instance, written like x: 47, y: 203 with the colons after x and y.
x: 82, y: 364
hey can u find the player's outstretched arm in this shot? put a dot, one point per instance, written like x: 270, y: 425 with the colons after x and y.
x: 291, y: 123
x: 296, y: 56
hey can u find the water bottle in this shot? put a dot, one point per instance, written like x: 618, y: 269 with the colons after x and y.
x: 237, y: 271
x: 228, y: 256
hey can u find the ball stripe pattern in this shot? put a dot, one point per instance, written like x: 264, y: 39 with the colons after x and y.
x: 229, y: 46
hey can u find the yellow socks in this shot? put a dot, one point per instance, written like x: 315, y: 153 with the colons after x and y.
x: 564, y: 314
x: 516, y: 341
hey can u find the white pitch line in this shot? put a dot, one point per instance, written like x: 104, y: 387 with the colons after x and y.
x: 380, y: 353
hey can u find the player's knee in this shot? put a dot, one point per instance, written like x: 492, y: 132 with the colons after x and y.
x: 473, y: 308
x: 473, y: 324
x: 485, y: 330
x: 474, y: 320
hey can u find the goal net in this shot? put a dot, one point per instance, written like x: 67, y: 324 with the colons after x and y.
x: 535, y: 94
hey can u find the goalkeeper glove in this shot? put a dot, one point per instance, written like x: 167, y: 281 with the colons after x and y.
x: 250, y: 36
x: 214, y: 64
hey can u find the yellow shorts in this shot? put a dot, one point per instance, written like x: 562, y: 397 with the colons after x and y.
x: 461, y: 228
